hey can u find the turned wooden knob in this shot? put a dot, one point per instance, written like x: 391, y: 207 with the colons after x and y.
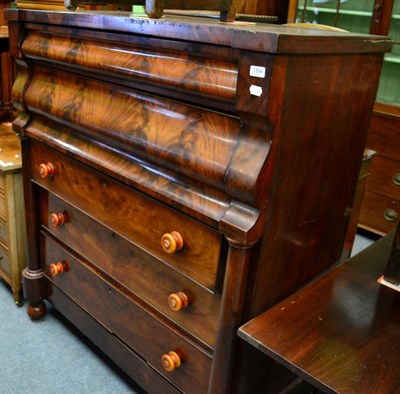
x: 57, y: 219
x: 170, y: 361
x: 172, y: 242
x: 57, y: 268
x: 178, y: 301
x: 46, y: 170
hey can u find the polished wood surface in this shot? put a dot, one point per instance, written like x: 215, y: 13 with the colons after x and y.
x: 158, y: 280
x: 139, y: 329
x: 133, y: 215
x: 214, y: 139
x: 380, y: 211
x: 382, y: 195
x: 341, y: 333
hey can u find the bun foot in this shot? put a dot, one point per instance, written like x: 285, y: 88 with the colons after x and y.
x: 37, y: 310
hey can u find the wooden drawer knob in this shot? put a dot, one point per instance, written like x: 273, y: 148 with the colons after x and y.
x: 46, y: 170
x: 172, y: 242
x: 178, y: 301
x: 57, y: 219
x: 57, y: 268
x: 170, y: 361
x: 390, y: 215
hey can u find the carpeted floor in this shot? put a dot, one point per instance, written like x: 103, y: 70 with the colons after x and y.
x: 50, y: 356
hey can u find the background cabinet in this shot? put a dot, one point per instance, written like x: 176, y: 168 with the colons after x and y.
x: 380, y: 210
x: 12, y: 217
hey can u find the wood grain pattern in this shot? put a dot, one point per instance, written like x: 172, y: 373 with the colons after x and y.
x: 273, y: 174
x: 200, y: 201
x: 133, y: 215
x: 137, y: 328
x: 188, y: 140
x: 257, y: 37
x: 178, y: 70
x: 12, y: 214
x: 157, y: 280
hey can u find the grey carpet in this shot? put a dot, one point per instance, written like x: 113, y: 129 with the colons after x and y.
x: 49, y: 356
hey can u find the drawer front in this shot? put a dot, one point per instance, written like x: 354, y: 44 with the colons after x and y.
x: 129, y: 361
x: 385, y: 177
x: 133, y: 215
x: 4, y: 261
x: 144, y: 333
x: 125, y: 262
x: 3, y: 205
x: 379, y: 213
x: 3, y: 232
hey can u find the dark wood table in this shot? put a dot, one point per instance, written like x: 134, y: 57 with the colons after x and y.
x: 340, y: 333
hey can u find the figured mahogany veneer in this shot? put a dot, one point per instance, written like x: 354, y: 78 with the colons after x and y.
x: 158, y: 280
x: 133, y: 324
x: 236, y: 148
x: 132, y: 215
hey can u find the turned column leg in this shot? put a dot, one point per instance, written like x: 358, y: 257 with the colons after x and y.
x: 34, y: 285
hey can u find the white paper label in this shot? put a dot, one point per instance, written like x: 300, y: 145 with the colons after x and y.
x: 257, y: 71
x: 255, y: 90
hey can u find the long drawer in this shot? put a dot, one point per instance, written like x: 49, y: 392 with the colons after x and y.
x: 130, y: 362
x: 385, y: 177
x: 142, y: 220
x: 379, y: 212
x: 141, y: 331
x: 125, y: 262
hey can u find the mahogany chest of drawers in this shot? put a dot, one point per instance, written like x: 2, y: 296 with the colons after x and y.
x: 380, y: 210
x: 183, y: 175
x: 12, y: 218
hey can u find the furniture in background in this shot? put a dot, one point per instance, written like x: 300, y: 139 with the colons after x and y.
x: 6, y: 71
x: 12, y: 218
x: 380, y: 210
x: 181, y: 177
x: 341, y: 333
x: 365, y: 172
x: 3, y: 5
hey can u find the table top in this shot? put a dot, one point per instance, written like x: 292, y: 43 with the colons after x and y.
x: 10, y: 150
x: 260, y: 37
x: 342, y: 332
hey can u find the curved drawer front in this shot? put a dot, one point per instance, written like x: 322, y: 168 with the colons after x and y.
x: 144, y: 333
x: 179, y: 69
x: 125, y: 262
x: 142, y: 220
